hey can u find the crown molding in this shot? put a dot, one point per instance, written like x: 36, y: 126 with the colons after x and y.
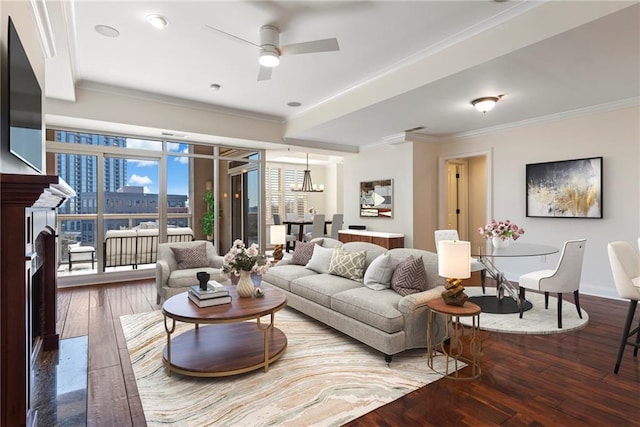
x: 608, y: 106
x: 43, y: 26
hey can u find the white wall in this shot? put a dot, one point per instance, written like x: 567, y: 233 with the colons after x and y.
x: 382, y: 162
x: 614, y: 135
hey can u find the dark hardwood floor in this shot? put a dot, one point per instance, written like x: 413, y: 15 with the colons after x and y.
x: 527, y: 380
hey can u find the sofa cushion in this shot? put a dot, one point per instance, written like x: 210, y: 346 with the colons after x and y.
x: 191, y: 257
x: 375, y: 308
x: 320, y: 259
x: 349, y: 265
x: 409, y: 277
x: 303, y: 252
x: 187, y: 277
x: 378, y: 275
x: 282, y: 275
x: 320, y: 287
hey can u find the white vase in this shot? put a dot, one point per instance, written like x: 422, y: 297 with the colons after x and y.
x: 500, y: 243
x: 245, y: 285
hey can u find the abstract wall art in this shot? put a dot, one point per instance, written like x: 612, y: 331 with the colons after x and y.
x: 565, y: 189
x: 376, y: 199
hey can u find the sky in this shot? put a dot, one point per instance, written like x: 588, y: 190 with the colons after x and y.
x: 145, y: 173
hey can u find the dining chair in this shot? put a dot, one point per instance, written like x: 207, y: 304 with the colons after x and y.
x: 475, y: 264
x: 317, y: 228
x: 337, y: 221
x: 565, y: 278
x: 625, y: 266
x: 291, y: 238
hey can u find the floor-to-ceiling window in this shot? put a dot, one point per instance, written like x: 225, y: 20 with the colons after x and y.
x: 126, y: 184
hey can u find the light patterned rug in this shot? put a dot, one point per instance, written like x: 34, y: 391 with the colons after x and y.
x: 324, y: 378
x: 538, y: 320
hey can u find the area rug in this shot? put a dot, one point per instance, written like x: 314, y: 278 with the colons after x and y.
x: 535, y: 321
x: 324, y: 378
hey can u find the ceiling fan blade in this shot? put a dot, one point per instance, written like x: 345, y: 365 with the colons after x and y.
x: 326, y: 45
x: 264, y: 73
x: 229, y: 35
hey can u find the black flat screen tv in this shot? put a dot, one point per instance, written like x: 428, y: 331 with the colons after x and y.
x: 25, y: 105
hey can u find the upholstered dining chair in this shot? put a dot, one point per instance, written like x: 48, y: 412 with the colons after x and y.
x: 475, y: 264
x: 317, y: 228
x: 337, y: 221
x: 625, y: 266
x: 565, y: 278
x: 291, y: 238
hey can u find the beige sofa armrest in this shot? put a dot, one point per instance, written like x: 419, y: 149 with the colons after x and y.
x: 412, y: 302
x: 162, y: 274
x: 216, y: 261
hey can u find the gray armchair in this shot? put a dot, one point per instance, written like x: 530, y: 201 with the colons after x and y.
x: 171, y: 281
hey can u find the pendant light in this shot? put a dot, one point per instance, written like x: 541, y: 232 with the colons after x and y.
x: 307, y: 186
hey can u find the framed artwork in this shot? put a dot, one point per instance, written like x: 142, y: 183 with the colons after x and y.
x: 565, y: 189
x: 376, y: 199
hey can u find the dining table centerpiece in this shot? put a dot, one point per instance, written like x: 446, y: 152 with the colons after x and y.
x: 242, y: 261
x: 501, y: 232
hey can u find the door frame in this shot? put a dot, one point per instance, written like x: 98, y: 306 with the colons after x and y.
x: 442, y: 186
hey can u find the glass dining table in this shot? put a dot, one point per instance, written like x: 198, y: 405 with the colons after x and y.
x: 487, y: 254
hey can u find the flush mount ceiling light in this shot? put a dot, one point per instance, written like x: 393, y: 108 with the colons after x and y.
x: 485, y: 104
x: 269, y: 57
x: 107, y: 31
x: 158, y: 21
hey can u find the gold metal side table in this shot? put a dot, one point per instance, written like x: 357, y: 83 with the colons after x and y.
x: 453, y: 341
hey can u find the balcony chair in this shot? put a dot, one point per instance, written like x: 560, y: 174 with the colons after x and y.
x: 565, y: 278
x: 475, y: 264
x: 337, y: 221
x: 317, y: 228
x: 625, y: 266
x: 291, y: 238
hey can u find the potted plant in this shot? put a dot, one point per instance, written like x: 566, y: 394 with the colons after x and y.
x: 208, y: 218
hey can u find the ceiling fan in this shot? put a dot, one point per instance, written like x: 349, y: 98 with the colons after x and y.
x: 270, y: 49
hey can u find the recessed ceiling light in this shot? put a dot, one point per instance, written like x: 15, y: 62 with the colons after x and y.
x: 157, y: 21
x: 107, y: 31
x: 294, y: 104
x: 214, y: 87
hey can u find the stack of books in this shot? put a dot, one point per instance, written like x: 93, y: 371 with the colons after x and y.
x: 215, y: 294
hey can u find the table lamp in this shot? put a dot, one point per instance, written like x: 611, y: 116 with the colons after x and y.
x: 454, y: 263
x: 278, y: 237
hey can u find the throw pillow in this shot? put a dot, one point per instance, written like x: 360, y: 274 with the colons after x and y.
x: 378, y: 275
x: 409, y: 276
x: 303, y: 251
x: 320, y: 259
x: 191, y: 256
x: 348, y: 264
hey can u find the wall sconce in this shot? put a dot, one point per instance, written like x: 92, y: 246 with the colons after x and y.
x: 454, y: 263
x: 485, y: 104
x: 278, y: 237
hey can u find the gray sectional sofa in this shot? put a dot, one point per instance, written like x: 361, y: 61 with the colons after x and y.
x: 382, y: 319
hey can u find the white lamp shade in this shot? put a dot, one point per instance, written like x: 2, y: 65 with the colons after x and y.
x: 278, y: 234
x: 454, y: 259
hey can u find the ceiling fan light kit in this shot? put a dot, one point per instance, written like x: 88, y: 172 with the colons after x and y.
x: 269, y: 57
x: 485, y: 104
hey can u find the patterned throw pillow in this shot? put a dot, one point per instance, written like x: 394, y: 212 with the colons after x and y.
x: 379, y: 273
x: 303, y: 251
x: 191, y: 256
x: 409, y: 276
x: 348, y: 264
x: 320, y: 259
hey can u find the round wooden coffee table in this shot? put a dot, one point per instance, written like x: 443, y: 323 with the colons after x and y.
x: 227, y: 345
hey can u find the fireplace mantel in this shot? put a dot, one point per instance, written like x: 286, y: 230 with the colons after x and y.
x: 21, y: 198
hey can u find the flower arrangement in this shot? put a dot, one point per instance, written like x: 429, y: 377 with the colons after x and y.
x: 240, y: 258
x: 502, y: 229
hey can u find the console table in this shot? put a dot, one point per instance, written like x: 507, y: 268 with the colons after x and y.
x: 386, y: 240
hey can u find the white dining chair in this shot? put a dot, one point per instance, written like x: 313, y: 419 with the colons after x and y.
x: 337, y: 220
x: 625, y: 266
x: 565, y: 278
x: 317, y: 228
x: 475, y: 264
